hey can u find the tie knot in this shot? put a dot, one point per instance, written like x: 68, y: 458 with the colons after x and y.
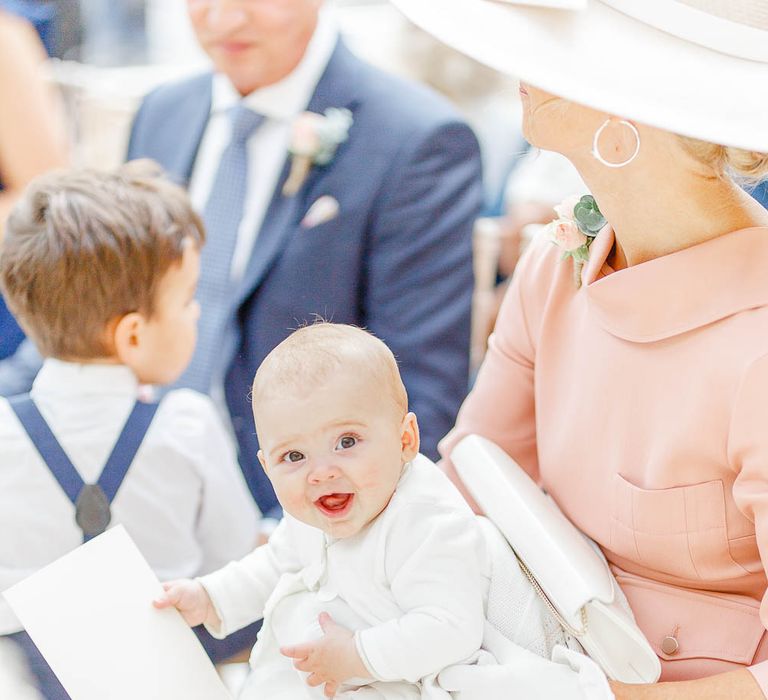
x: 244, y: 123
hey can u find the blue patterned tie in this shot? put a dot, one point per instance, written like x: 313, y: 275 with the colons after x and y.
x: 223, y: 214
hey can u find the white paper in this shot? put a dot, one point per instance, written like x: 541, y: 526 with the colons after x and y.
x: 91, y: 615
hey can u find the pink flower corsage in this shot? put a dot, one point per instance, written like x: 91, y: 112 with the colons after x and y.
x: 577, y: 224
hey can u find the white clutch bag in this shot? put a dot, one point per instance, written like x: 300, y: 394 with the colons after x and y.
x: 564, y: 566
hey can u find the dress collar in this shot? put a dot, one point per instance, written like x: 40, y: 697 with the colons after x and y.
x: 59, y: 378
x: 678, y: 292
x: 287, y: 98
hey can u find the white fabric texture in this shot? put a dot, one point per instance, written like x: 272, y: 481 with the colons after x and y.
x: 543, y: 177
x: 514, y: 607
x: 415, y: 585
x: 184, y: 500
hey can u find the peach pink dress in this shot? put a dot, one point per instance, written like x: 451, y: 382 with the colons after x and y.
x: 640, y: 402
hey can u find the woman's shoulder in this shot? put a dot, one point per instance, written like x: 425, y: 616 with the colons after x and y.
x: 541, y: 282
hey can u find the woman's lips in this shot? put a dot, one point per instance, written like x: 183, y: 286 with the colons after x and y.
x: 334, y: 505
x: 523, y: 91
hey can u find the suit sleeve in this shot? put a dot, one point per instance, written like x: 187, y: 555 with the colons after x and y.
x: 419, y: 270
x: 134, y: 149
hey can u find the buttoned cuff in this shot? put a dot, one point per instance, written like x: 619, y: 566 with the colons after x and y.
x: 364, y: 658
x: 760, y: 674
x: 222, y: 631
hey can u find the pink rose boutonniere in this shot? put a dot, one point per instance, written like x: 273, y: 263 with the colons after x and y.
x: 577, y: 224
x: 314, y: 142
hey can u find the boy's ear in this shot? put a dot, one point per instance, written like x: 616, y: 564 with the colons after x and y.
x: 409, y: 437
x: 260, y: 455
x: 126, y: 335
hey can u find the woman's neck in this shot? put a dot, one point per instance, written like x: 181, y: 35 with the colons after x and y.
x: 655, y: 213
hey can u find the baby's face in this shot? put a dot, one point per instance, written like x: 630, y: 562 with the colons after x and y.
x: 335, y: 454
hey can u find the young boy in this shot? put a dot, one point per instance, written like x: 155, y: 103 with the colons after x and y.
x: 376, y: 578
x: 100, y: 269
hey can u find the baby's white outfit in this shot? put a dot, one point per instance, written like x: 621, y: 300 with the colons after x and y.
x: 413, y: 585
x: 439, y: 606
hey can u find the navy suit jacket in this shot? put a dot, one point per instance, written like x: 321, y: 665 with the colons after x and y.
x: 397, y: 260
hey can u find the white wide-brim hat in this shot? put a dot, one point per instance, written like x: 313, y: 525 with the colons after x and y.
x: 694, y: 67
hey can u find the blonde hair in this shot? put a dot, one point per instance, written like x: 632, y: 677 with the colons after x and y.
x: 311, y: 355
x: 728, y: 161
x: 83, y: 247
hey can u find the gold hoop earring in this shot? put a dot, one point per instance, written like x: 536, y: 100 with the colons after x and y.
x: 596, y: 147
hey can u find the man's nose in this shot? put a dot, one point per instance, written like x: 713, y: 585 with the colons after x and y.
x: 225, y: 15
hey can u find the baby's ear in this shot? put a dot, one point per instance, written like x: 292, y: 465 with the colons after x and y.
x: 409, y: 437
x: 260, y: 455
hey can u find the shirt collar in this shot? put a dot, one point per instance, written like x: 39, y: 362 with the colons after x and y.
x: 287, y: 98
x: 59, y: 378
x: 681, y: 291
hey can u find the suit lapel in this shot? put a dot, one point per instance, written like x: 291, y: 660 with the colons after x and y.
x: 186, y: 130
x: 284, y: 213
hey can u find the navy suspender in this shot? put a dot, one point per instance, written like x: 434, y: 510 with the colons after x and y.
x: 91, y: 500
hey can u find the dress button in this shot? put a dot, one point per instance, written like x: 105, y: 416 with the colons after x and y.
x: 670, y: 645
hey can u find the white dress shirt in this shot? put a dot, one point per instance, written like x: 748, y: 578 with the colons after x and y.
x: 184, y: 500
x: 413, y: 584
x: 280, y: 103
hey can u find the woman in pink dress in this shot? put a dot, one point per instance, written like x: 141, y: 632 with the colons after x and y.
x: 634, y: 385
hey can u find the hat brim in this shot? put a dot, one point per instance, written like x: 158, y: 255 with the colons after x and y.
x: 606, y: 60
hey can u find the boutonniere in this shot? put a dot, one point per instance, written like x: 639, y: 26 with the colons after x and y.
x: 314, y: 142
x: 578, y: 222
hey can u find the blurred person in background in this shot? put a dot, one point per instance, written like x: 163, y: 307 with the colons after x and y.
x: 376, y: 234
x: 32, y: 133
x: 486, y: 99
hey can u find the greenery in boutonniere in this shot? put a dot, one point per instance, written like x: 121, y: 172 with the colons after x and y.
x: 578, y: 222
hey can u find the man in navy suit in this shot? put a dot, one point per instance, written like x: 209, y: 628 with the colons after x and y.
x: 379, y: 237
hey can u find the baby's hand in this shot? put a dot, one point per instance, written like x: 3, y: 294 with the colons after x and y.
x: 330, y: 660
x: 190, y: 599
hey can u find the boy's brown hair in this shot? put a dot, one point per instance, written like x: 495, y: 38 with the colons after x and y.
x: 84, y: 247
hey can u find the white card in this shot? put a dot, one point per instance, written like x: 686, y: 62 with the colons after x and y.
x: 91, y: 615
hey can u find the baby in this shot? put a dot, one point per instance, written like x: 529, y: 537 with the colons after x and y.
x: 376, y: 578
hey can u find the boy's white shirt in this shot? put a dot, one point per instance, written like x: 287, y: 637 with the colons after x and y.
x: 184, y: 500
x: 418, y: 577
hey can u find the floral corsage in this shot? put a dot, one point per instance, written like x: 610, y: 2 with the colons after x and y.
x: 578, y: 222
x: 315, y: 140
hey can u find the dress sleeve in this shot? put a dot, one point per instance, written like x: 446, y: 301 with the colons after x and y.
x: 436, y: 564
x: 748, y: 453
x: 500, y: 407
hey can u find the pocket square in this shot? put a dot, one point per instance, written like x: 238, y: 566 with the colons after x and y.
x: 323, y: 209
